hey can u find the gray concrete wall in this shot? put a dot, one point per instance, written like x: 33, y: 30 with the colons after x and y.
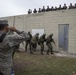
x: 48, y: 21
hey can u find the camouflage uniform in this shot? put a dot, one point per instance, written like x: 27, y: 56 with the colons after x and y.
x: 34, y: 41
x: 28, y: 42
x: 41, y: 41
x: 49, y: 40
x: 7, y: 48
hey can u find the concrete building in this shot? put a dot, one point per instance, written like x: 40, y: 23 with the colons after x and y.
x: 62, y: 23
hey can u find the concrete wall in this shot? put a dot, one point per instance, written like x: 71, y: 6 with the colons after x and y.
x: 48, y: 21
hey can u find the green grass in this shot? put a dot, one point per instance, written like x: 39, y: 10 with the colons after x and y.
x: 26, y: 64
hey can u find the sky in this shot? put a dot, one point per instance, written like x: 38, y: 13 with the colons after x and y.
x: 20, y: 7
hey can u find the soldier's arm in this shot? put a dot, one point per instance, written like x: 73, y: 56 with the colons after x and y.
x: 53, y: 41
x: 21, y: 33
x: 17, y: 38
x: 10, y: 32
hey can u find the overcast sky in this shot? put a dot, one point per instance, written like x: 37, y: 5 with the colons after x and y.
x: 19, y: 7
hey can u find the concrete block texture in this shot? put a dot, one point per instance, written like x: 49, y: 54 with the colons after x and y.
x: 48, y: 21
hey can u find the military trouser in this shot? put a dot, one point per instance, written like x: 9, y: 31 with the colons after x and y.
x: 6, y: 66
x: 33, y: 47
x: 7, y: 70
x: 28, y: 43
x: 50, y: 48
x: 42, y: 47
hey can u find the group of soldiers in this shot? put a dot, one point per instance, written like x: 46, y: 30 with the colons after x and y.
x: 52, y: 8
x: 36, y: 40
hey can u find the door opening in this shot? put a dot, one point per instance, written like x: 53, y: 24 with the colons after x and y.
x: 63, y: 36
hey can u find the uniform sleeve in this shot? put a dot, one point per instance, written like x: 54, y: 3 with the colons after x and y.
x: 53, y: 41
x: 17, y: 38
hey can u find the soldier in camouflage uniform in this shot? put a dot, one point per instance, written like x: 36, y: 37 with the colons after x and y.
x: 34, y: 42
x: 49, y: 40
x: 28, y: 42
x: 41, y: 41
x: 7, y: 44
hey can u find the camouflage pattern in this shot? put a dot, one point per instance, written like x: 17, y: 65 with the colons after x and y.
x: 34, y: 42
x: 41, y: 41
x: 7, y: 48
x: 49, y: 40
